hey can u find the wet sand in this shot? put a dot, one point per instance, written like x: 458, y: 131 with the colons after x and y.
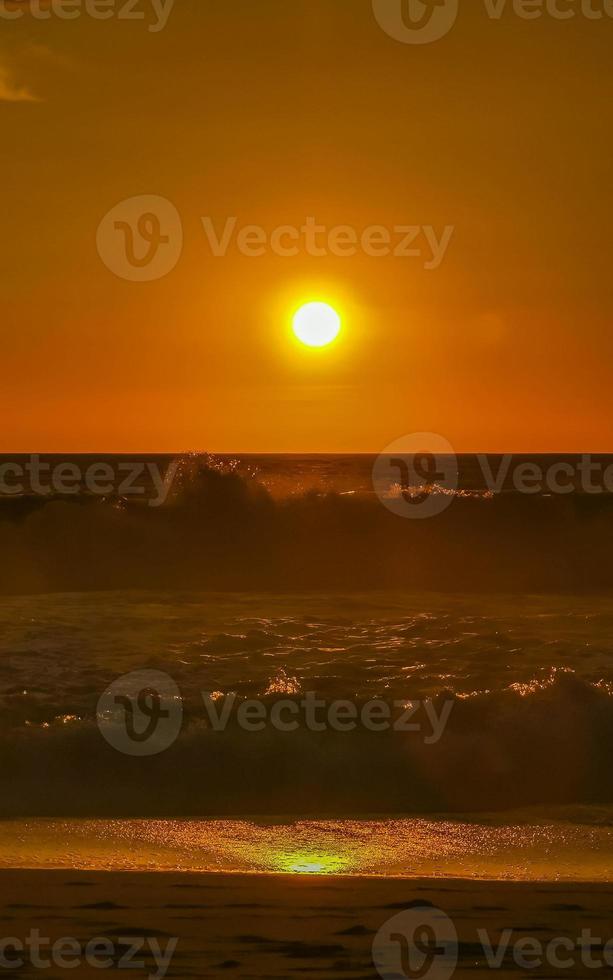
x: 503, y: 847
x: 274, y: 926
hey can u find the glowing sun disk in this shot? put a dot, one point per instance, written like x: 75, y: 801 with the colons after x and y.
x: 316, y: 324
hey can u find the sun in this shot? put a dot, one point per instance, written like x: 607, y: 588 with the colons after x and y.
x: 316, y: 324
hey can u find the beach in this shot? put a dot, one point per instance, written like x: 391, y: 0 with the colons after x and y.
x: 323, y: 898
x: 306, y: 490
x: 288, y: 841
x: 290, y: 925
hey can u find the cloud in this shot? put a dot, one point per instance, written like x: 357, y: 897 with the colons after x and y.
x: 11, y: 92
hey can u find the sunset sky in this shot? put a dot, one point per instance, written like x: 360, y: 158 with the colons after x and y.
x: 273, y: 111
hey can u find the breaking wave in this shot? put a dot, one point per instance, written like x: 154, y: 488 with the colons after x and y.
x: 222, y: 529
x: 548, y: 744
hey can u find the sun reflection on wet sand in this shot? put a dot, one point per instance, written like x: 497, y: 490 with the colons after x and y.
x: 538, y: 850
x: 311, y: 864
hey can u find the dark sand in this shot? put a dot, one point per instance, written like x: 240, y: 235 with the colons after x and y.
x: 263, y: 926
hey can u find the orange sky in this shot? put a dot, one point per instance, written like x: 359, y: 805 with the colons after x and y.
x: 272, y: 112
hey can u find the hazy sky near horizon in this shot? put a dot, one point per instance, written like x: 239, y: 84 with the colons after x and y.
x: 271, y: 112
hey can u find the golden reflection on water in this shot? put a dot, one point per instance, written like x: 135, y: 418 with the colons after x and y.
x: 411, y: 847
x: 309, y: 863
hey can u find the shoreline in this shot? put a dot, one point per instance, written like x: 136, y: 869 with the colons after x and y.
x: 404, y: 849
x: 432, y: 882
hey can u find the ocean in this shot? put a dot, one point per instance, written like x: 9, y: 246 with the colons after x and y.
x: 293, y: 474
x: 304, y: 523
x: 492, y: 703
x: 332, y: 688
